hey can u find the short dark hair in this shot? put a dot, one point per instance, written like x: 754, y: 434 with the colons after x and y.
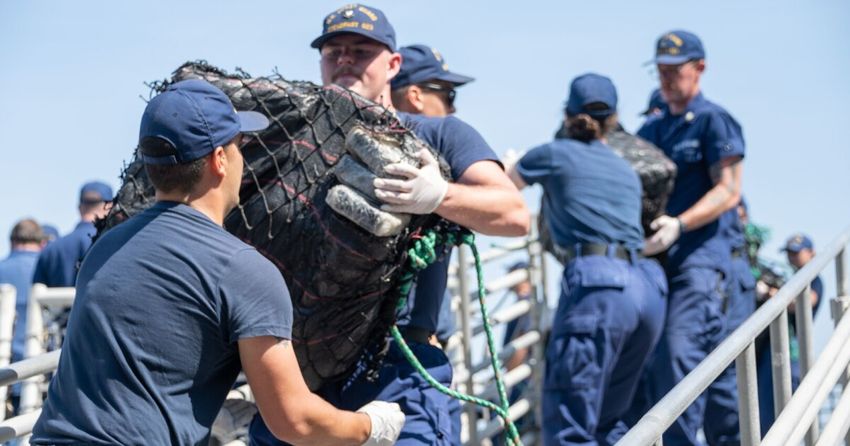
x: 26, y: 231
x: 171, y: 177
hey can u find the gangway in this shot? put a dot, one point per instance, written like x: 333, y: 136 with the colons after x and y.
x: 797, y: 413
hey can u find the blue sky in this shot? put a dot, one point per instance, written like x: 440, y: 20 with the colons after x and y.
x: 73, y: 74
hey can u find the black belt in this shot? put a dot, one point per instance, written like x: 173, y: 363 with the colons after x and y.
x: 567, y: 254
x: 415, y: 334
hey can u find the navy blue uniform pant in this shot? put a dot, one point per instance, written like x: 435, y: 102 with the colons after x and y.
x: 609, y: 318
x: 721, y: 410
x: 695, y: 326
x: 426, y: 410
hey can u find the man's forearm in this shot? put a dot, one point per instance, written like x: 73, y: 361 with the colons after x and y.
x: 323, y: 424
x: 710, y: 207
x: 725, y: 195
x: 491, y: 210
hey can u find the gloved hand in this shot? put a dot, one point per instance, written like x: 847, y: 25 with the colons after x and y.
x: 420, y: 193
x: 667, y: 231
x: 387, y: 421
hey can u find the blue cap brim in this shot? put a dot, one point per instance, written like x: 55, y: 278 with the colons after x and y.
x: 251, y: 121
x: 666, y: 59
x: 319, y: 41
x: 454, y: 78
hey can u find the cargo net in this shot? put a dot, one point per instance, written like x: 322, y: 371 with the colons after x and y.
x: 657, y: 174
x: 307, y: 203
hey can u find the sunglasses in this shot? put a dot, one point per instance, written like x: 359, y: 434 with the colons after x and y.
x: 449, y: 92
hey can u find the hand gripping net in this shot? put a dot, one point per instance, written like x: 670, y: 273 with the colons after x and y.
x: 307, y: 204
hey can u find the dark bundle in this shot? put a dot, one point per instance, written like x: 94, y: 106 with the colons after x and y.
x: 307, y: 204
x: 657, y: 174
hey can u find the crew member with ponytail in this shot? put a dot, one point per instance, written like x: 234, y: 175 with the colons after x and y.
x: 611, y: 309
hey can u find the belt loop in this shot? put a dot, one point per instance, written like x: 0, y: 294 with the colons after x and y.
x: 611, y: 250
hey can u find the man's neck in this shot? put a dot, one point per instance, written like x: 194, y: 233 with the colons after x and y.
x: 28, y: 247
x: 209, y: 204
x: 679, y: 107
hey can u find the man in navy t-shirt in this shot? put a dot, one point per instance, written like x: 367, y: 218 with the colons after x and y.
x: 707, y: 146
x: 170, y: 307
x: 358, y: 52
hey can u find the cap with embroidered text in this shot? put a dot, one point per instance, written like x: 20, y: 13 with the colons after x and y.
x: 193, y: 117
x: 357, y: 19
x: 420, y: 63
x: 678, y: 47
x: 592, y: 88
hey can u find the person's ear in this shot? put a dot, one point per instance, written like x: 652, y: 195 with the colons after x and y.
x: 218, y: 162
x: 393, y: 65
x: 415, y: 98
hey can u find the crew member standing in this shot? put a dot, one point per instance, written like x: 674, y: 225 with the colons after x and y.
x: 611, y: 310
x: 358, y: 52
x: 707, y: 146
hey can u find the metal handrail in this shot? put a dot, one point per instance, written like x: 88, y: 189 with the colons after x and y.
x: 650, y: 428
x: 8, y: 296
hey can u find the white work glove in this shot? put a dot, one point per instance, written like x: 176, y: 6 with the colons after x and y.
x: 510, y: 158
x: 421, y: 192
x: 387, y: 421
x: 667, y: 231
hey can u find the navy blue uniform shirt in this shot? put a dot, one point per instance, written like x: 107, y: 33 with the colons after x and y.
x: 17, y: 270
x: 592, y: 195
x: 151, y: 348
x: 461, y: 146
x: 57, y: 264
x: 697, y: 139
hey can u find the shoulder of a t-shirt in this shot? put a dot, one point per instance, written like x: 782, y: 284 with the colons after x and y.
x: 247, y: 264
x: 462, y: 145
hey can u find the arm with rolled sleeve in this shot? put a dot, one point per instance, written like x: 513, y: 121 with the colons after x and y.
x: 258, y: 316
x: 723, y: 148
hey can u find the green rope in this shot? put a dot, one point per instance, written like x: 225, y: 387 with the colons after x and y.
x: 422, y: 254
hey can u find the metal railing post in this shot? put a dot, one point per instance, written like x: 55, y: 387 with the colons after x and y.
x: 30, y: 392
x: 7, y: 322
x: 537, y: 261
x: 466, y: 328
x: 839, y: 309
x: 840, y: 275
x: 780, y: 360
x: 803, y: 316
x: 748, y: 396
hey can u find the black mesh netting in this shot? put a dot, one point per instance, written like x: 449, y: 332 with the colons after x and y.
x: 340, y: 276
x: 657, y: 174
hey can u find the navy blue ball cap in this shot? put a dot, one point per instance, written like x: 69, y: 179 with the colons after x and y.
x: 95, y: 192
x: 678, y: 47
x: 797, y: 243
x: 589, y: 89
x: 420, y: 63
x: 194, y: 117
x: 358, y: 19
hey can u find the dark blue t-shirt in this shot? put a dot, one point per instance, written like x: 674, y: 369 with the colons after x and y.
x: 17, y: 270
x: 592, y: 195
x: 57, y: 264
x: 461, y: 146
x: 151, y: 348
x: 695, y: 140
